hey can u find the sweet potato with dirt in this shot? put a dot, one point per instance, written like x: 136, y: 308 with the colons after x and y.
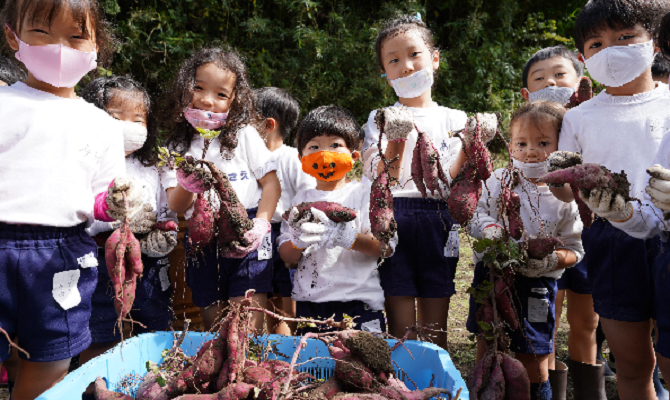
x: 486, y: 380
x: 540, y: 247
x: 150, y: 389
x: 466, y: 189
x: 257, y: 376
x: 417, y: 169
x: 504, y: 304
x: 517, y: 384
x: 336, y: 212
x: 584, y: 92
x: 201, y: 224
x: 123, y: 255
x: 510, y: 204
x: 382, y: 222
x: 166, y: 226
x: 329, y: 389
x: 392, y: 393
x: 102, y: 393
x: 351, y: 371
x: 479, y: 154
x: 433, y: 174
x: 590, y: 176
x: 373, y: 351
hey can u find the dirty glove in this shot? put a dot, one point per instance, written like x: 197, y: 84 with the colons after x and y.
x: 298, y: 237
x: 142, y: 222
x: 158, y: 243
x: 134, y: 196
x: 489, y: 127
x: 254, y: 237
x: 194, y: 183
x: 536, y: 268
x: 606, y: 204
x: 561, y: 160
x: 492, y: 232
x: 659, y: 187
x: 397, y: 122
x: 332, y: 234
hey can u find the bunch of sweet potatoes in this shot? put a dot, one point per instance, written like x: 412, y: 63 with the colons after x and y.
x: 498, y: 376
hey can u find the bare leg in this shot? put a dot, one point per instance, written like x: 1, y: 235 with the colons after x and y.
x: 481, y: 350
x: 560, y: 296
x: 12, y: 364
x: 211, y: 313
x: 257, y: 318
x: 663, y: 364
x: 434, y: 312
x: 34, y: 378
x: 535, y: 374
x: 583, y: 323
x: 401, y: 313
x: 289, y: 310
x: 631, y: 344
x: 276, y: 305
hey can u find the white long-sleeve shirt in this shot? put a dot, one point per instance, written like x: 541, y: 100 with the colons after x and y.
x: 154, y: 194
x: 437, y: 122
x: 291, y: 177
x: 541, y: 213
x: 251, y: 161
x: 57, y: 155
x: 338, y: 274
x: 622, y: 133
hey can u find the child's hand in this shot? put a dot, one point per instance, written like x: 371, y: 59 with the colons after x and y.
x: 489, y: 125
x: 297, y: 235
x: 334, y: 234
x: 192, y: 182
x: 536, y: 268
x: 134, y: 197
x: 254, y: 236
x: 659, y: 187
x: 158, y: 243
x: 606, y: 204
x: 561, y: 160
x: 395, y: 122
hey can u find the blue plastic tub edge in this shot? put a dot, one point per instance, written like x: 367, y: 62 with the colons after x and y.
x: 132, y: 358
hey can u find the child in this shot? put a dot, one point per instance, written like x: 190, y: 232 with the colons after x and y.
x: 55, y: 179
x: 419, y: 270
x: 10, y: 73
x: 552, y: 74
x: 621, y: 129
x: 660, y: 69
x: 212, y: 91
x: 280, y: 112
x: 534, y: 135
x: 126, y: 100
x: 337, y: 263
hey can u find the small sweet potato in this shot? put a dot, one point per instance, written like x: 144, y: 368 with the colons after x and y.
x: 479, y: 154
x: 584, y: 92
x: 511, y: 205
x: 504, y: 304
x: 336, y: 212
x: 201, y: 223
x: 542, y: 246
x: 123, y: 255
x: 466, y: 189
x: 150, y: 389
x: 102, y: 393
x: 433, y: 174
x: 383, y: 224
x: 166, y: 226
x: 517, y: 384
x: 417, y: 169
x: 257, y: 376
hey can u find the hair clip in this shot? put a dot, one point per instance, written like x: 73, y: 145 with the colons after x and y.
x: 383, y: 75
x: 418, y: 16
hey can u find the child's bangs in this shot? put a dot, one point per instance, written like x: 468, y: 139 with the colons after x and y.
x: 45, y: 11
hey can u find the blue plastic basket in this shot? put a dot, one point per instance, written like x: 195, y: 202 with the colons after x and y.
x: 428, y: 362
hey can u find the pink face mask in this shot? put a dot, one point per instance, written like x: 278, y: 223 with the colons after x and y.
x: 55, y: 64
x: 205, y: 119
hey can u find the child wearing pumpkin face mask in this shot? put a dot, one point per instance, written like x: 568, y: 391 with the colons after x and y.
x: 337, y: 262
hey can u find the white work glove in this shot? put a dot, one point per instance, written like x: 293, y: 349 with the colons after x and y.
x: 561, y: 160
x: 492, y: 232
x: 398, y: 122
x: 489, y: 127
x: 331, y: 234
x: 142, y: 222
x: 134, y: 196
x: 602, y: 203
x: 536, y: 268
x: 659, y: 187
x: 298, y: 237
x: 158, y: 243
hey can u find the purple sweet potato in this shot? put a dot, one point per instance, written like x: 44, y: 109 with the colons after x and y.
x: 124, y: 264
x: 589, y: 176
x: 150, y: 389
x: 351, y: 371
x: 542, y: 246
x: 383, y: 224
x: 584, y: 92
x: 257, y: 376
x: 392, y: 393
x: 201, y: 223
x: 102, y: 393
x: 336, y: 212
x: 486, y: 381
x: 166, y: 226
x: 511, y: 204
x: 480, y: 155
x: 466, y: 189
x: 329, y: 389
x: 517, y: 384
x: 433, y: 174
x: 417, y: 169
x: 236, y: 391
x: 504, y: 304
x: 358, y: 396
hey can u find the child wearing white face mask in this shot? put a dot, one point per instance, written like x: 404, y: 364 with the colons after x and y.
x: 424, y: 265
x: 534, y: 135
x: 551, y: 74
x: 127, y: 101
x: 621, y: 129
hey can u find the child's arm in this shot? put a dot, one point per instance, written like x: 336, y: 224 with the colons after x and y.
x: 563, y: 194
x: 179, y: 199
x: 367, y: 244
x: 566, y: 258
x: 456, y: 166
x: 393, y: 149
x: 289, y: 253
x: 270, y: 196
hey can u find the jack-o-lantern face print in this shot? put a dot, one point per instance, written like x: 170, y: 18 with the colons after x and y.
x: 327, y: 165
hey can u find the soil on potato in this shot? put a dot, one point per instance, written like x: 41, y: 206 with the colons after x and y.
x: 623, y: 186
x: 373, y: 351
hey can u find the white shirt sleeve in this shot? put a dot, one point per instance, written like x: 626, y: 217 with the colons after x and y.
x: 113, y: 162
x: 486, y: 213
x: 569, y: 232
x: 258, y: 157
x: 568, y: 139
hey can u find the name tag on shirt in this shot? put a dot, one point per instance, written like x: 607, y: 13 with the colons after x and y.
x: 538, y: 310
x: 65, y: 289
x: 451, y: 248
x: 265, y: 249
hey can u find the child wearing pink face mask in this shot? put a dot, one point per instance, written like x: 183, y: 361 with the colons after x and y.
x: 212, y: 91
x: 59, y: 156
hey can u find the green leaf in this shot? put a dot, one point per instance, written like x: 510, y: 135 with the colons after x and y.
x: 484, y: 326
x: 208, y: 134
x: 160, y: 380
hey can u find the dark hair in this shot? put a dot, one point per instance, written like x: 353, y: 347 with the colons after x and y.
x: 15, y: 12
x: 539, y: 112
x: 399, y: 26
x: 272, y: 102
x: 551, y: 52
x: 180, y: 94
x: 617, y: 14
x: 329, y: 121
x: 661, y: 67
x: 101, y: 90
x: 663, y: 36
x: 10, y: 73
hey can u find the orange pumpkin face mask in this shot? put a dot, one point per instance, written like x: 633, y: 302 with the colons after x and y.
x: 327, y: 165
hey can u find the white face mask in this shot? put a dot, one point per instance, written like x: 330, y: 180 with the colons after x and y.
x: 414, y: 85
x: 560, y: 95
x: 530, y: 170
x: 134, y: 135
x: 618, y: 65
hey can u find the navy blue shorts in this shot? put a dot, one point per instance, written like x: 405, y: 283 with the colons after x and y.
x: 152, y: 306
x: 366, y: 318
x: 30, y: 259
x: 418, y: 267
x: 213, y: 278
x: 620, y: 272
x: 662, y: 292
x: 535, y: 300
x: 576, y: 279
x: 281, y: 278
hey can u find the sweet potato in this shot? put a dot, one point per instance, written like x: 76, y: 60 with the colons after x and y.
x: 485, y: 312
x: 585, y: 212
x: 383, y: 224
x: 392, y: 393
x: 486, y: 381
x: 102, y: 393
x: 584, y: 92
x: 590, y: 176
x: 358, y: 396
x: 373, y: 351
x: 336, y: 212
x: 433, y: 174
x: 201, y: 223
x: 257, y: 376
x: 417, y: 169
x: 479, y: 154
x: 351, y: 371
x: 504, y: 304
x: 188, y: 167
x: 236, y: 391
x: 542, y: 246
x: 517, y: 384
x: 329, y: 389
x: 166, y: 226
x: 466, y: 189
x: 150, y: 389
x: 511, y: 205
